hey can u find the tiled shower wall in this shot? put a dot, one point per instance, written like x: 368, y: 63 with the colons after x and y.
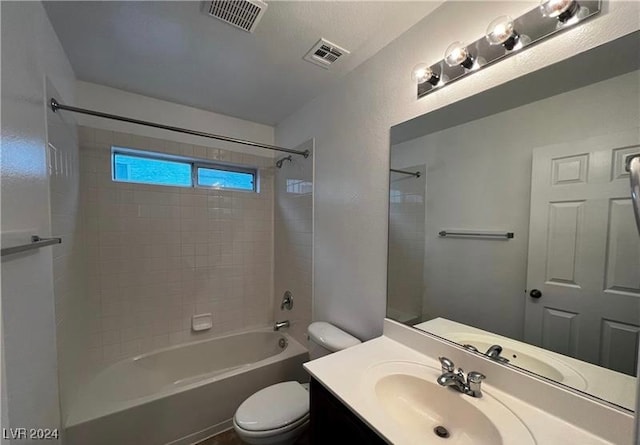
x: 406, y: 245
x: 157, y: 255
x: 293, y: 241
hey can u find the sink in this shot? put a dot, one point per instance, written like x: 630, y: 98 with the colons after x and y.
x: 524, y: 356
x: 424, y: 411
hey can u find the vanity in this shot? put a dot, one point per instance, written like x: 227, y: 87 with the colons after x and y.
x: 385, y: 391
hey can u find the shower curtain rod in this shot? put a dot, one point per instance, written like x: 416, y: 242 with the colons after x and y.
x: 55, y: 106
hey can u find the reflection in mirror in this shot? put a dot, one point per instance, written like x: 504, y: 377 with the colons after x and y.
x: 541, y: 157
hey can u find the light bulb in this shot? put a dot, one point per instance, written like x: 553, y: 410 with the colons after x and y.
x: 501, y: 31
x: 423, y: 73
x: 563, y: 10
x: 457, y: 54
x: 420, y: 73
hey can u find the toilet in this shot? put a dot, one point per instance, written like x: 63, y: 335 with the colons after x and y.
x: 279, y: 414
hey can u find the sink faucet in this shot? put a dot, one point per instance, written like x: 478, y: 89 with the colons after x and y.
x: 281, y: 324
x: 456, y: 379
x: 494, y: 352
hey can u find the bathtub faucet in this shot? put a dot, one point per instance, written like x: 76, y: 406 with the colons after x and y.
x: 281, y: 324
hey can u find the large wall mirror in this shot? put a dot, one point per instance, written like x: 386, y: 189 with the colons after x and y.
x: 517, y: 238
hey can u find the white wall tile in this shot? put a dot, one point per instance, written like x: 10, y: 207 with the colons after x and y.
x: 161, y: 254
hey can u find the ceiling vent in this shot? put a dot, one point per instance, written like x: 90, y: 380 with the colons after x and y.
x: 325, y: 53
x: 243, y: 14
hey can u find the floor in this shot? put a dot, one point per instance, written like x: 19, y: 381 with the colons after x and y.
x: 231, y: 438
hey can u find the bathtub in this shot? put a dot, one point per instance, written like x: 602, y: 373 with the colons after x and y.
x: 181, y: 394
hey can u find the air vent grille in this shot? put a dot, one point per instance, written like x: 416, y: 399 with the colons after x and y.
x: 243, y: 14
x: 325, y: 53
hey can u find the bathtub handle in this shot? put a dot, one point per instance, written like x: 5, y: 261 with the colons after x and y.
x: 287, y: 301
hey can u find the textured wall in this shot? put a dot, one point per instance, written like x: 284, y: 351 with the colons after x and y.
x: 156, y: 255
x: 351, y: 126
x: 31, y: 54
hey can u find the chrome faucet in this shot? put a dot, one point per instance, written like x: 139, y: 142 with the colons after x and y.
x: 281, y: 324
x: 494, y: 352
x: 470, y: 386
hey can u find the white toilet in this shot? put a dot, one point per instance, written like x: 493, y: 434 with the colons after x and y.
x: 279, y: 414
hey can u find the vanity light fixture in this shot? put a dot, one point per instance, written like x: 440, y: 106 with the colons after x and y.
x: 502, y: 31
x: 458, y: 54
x: 563, y: 10
x: 423, y: 73
x: 504, y: 37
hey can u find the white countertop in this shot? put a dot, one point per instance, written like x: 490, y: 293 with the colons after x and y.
x: 342, y: 374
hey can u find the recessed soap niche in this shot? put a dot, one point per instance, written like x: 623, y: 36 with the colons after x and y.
x: 201, y: 322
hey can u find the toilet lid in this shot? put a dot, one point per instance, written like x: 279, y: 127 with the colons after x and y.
x: 273, y: 407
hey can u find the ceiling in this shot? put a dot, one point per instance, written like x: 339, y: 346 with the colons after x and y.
x: 173, y: 51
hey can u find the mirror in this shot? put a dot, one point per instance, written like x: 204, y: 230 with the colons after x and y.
x: 511, y: 228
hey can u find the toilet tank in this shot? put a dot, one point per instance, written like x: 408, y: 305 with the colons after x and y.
x: 325, y: 338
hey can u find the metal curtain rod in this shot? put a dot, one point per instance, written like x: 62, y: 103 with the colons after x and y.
x: 55, y: 106
x: 416, y: 174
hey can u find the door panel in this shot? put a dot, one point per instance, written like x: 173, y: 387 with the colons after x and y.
x: 623, y: 249
x: 572, y: 169
x: 565, y: 220
x: 560, y: 331
x: 619, y: 346
x: 584, y: 252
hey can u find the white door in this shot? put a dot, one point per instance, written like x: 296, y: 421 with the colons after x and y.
x: 584, y: 252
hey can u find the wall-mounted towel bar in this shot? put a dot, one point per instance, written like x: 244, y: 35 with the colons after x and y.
x: 473, y: 234
x: 36, y: 242
x: 404, y: 172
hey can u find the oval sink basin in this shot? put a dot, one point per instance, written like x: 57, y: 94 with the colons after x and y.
x: 525, y: 357
x: 427, y: 413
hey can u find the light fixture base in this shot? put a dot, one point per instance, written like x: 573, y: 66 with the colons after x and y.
x: 531, y: 27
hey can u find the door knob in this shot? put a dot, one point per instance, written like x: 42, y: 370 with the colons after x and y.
x: 535, y: 293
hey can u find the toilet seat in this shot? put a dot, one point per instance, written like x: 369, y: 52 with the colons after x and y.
x: 274, y: 410
x: 263, y: 434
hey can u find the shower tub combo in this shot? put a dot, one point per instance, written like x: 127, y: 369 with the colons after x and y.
x: 181, y: 394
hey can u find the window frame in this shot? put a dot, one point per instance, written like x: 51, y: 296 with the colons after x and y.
x: 194, y: 165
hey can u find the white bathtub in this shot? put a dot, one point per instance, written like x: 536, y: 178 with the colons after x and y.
x: 181, y: 394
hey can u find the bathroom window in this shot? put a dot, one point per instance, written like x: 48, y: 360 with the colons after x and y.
x: 144, y: 170
x: 143, y: 167
x: 226, y: 178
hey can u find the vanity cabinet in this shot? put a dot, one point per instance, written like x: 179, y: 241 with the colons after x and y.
x: 332, y: 422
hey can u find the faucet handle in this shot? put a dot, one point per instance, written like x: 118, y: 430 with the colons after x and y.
x: 446, y: 364
x: 475, y: 377
x: 474, y: 383
x: 470, y: 348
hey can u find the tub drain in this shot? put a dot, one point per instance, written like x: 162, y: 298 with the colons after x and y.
x: 441, y: 432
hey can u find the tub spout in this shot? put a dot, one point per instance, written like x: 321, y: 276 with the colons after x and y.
x: 281, y: 324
